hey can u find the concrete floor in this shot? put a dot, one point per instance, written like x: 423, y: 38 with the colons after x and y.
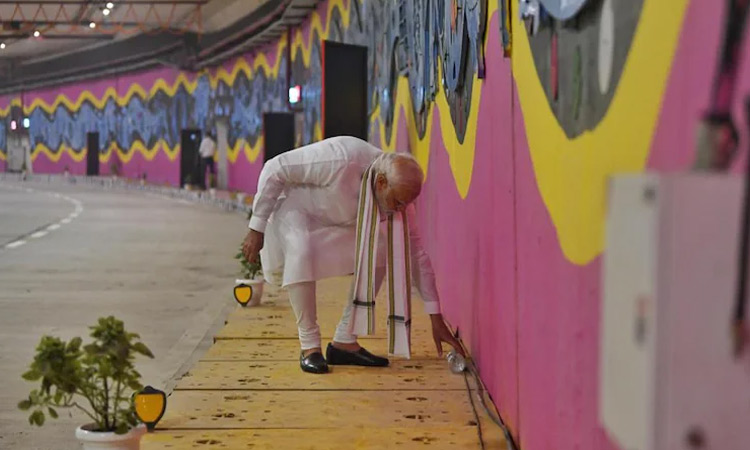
x: 165, y: 267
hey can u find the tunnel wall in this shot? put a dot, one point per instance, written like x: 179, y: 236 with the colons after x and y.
x: 517, y: 132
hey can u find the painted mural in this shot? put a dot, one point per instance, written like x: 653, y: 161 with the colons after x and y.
x: 452, y: 36
x: 580, y: 61
x: 133, y: 120
x: 518, y: 110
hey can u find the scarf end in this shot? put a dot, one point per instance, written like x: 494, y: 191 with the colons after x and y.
x: 399, y: 341
x: 363, y: 321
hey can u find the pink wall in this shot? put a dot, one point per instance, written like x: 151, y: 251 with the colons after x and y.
x: 472, y: 242
x: 243, y: 175
x: 531, y: 317
x: 5, y: 101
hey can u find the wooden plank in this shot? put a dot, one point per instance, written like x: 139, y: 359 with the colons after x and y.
x: 316, y: 409
x: 331, y: 299
x: 456, y: 438
x: 288, y: 329
x: 280, y: 375
x: 274, y: 320
x: 280, y: 305
x: 248, y: 391
x: 288, y: 349
x: 278, y: 311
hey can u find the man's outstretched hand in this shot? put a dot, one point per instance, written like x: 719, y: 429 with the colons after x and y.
x: 441, y: 333
x: 252, y: 244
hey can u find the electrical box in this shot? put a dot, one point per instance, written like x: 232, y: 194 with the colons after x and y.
x: 668, y: 376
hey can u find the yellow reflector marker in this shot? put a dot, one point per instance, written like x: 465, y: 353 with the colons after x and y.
x: 150, y: 405
x: 243, y: 293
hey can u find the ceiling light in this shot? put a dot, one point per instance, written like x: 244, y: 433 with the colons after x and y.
x: 92, y: 25
x: 105, y: 12
x: 37, y: 33
x: 2, y: 45
x: 110, y: 5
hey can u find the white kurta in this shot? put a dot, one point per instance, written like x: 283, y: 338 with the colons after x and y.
x: 306, y: 205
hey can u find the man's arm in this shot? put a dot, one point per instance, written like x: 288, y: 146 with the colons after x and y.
x: 424, y: 279
x: 314, y: 165
x: 421, y: 268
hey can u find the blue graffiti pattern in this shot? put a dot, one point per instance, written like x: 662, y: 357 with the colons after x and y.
x: 414, y: 38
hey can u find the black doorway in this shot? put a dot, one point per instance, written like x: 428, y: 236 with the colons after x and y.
x: 344, y: 108
x: 92, y: 154
x: 190, y: 141
x: 278, y: 134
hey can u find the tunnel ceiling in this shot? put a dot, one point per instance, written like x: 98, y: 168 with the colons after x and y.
x: 53, y: 42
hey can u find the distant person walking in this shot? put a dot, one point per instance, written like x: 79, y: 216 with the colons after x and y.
x: 207, y: 151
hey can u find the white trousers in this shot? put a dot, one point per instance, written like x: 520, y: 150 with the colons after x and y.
x: 303, y: 300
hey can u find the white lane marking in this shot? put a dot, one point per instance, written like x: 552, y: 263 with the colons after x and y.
x: 39, y: 234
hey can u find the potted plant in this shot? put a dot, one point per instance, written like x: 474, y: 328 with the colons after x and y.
x: 248, y: 289
x: 97, y: 379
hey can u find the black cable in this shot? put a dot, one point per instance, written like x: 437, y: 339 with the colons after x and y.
x: 729, y: 62
x: 741, y: 297
x: 718, y: 117
x: 472, y: 368
x: 474, y: 410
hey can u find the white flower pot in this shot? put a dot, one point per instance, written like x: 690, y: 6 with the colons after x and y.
x: 109, y: 440
x: 256, y: 285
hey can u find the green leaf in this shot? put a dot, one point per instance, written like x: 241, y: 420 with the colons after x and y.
x: 37, y: 418
x: 141, y: 348
x: 74, y: 344
x: 52, y: 413
x: 32, y: 375
x: 24, y: 405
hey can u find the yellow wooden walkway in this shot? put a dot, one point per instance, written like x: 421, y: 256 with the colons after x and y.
x: 248, y: 392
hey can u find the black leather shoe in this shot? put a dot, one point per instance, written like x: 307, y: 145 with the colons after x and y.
x: 361, y: 357
x: 313, y: 363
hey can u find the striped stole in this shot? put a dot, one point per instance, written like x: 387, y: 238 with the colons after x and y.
x: 398, y: 272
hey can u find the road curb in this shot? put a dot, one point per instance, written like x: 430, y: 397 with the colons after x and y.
x: 199, y: 197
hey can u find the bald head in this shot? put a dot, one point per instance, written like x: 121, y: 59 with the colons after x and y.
x: 398, y: 181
